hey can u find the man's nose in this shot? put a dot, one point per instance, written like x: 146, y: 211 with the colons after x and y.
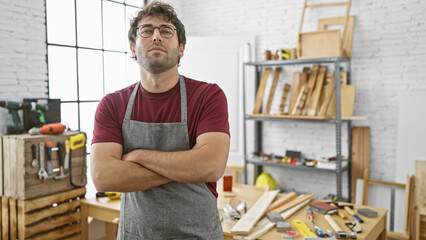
x: 156, y: 36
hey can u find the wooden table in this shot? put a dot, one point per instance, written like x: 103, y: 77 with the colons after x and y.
x: 109, y: 210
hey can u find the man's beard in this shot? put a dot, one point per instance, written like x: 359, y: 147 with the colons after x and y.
x: 155, y: 64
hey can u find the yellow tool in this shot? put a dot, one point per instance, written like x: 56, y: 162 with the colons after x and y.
x: 78, y: 141
x: 302, y: 228
x: 110, y: 195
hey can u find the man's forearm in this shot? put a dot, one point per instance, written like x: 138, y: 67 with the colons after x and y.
x: 112, y: 174
x: 204, y: 163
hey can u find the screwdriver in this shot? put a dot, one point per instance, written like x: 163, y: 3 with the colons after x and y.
x: 311, y: 217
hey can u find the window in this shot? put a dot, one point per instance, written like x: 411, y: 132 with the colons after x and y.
x: 88, y: 55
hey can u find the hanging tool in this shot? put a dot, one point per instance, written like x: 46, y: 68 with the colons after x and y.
x: 34, y: 154
x: 77, y: 141
x: 49, y: 163
x: 311, y: 217
x: 51, y: 128
x: 302, y: 228
x: 42, y: 174
x: 67, y: 155
x: 61, y: 161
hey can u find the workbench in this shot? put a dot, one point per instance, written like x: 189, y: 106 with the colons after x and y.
x: 108, y: 211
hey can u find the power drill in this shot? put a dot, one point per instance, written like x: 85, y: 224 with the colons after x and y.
x: 13, y: 108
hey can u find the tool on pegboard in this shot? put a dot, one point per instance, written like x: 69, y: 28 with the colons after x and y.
x: 78, y: 141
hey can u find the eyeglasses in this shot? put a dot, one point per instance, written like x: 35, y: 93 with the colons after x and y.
x: 166, y: 31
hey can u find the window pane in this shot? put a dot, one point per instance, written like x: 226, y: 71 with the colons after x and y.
x: 131, y: 12
x: 89, y: 23
x: 113, y: 25
x: 132, y: 72
x: 60, y: 22
x: 137, y: 3
x: 87, y: 118
x: 62, y: 73
x: 69, y: 115
x: 90, y: 74
x: 115, y: 71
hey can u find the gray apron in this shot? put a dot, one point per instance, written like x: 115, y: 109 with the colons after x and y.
x: 174, y: 210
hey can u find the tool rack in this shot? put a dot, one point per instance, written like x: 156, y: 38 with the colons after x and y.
x: 337, y: 121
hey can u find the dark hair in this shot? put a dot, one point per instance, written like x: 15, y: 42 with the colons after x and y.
x: 157, y: 9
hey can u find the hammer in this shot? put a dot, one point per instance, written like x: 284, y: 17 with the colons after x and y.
x: 61, y: 162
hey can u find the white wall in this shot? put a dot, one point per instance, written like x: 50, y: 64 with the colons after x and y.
x: 389, y: 56
x: 23, y: 67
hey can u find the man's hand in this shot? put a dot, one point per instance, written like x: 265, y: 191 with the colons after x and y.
x: 205, y: 162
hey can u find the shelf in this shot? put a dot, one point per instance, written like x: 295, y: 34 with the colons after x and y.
x: 300, y: 167
x: 296, y: 61
x: 268, y: 117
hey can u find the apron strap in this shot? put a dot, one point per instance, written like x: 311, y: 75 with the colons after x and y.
x: 183, y: 103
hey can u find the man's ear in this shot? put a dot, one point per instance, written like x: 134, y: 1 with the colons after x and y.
x: 132, y: 48
x: 181, y: 49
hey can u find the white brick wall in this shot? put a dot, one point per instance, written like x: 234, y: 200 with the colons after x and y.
x: 389, y: 56
x: 23, y: 68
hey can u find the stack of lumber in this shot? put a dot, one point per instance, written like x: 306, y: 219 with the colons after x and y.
x: 311, y: 93
x: 255, y: 223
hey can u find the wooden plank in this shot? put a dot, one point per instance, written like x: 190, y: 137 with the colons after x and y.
x: 5, y: 217
x: 1, y: 171
x: 247, y: 222
x: 284, y: 98
x: 13, y: 219
x: 294, y: 91
x: 329, y: 77
x: 408, y: 204
x: 265, y: 225
x: 328, y: 95
x: 329, y: 40
x: 261, y: 90
x: 324, y: 23
x: 347, y: 101
x: 53, y: 223
x: 360, y: 155
x: 45, y: 213
x: 297, y: 110
x: 272, y: 91
x: 31, y: 205
x: 60, y: 233
x: 293, y: 203
x: 311, y: 85
x: 313, y: 107
x: 420, y: 183
x: 277, y: 203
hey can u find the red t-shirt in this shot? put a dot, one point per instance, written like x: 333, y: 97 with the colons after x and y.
x: 206, y: 104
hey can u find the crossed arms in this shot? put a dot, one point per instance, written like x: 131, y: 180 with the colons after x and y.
x: 143, y: 169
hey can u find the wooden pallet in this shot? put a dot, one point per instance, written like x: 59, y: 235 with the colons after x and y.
x: 52, y: 217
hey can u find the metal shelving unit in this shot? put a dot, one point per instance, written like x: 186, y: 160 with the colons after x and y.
x: 337, y: 120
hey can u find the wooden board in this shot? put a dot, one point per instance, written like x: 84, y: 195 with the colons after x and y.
x: 297, y: 109
x: 261, y: 90
x: 279, y: 202
x: 347, y: 101
x: 253, y: 215
x: 313, y: 107
x: 328, y: 94
x: 294, y: 91
x: 21, y: 179
x: 360, y: 155
x: 347, y: 46
x: 311, y: 85
x: 272, y: 91
x: 420, y: 185
x: 284, y: 98
x: 293, y: 203
x: 1, y: 169
x: 319, y: 44
x: 5, y: 217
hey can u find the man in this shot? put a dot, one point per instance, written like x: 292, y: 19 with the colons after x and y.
x: 163, y: 141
